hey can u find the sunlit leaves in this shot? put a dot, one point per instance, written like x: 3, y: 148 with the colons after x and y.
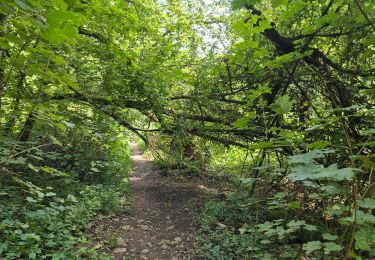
x: 243, y: 122
x: 293, y: 9
x: 60, y: 35
x: 277, y: 3
x: 238, y: 4
x: 24, y: 5
x: 60, y: 4
x: 282, y: 105
x: 262, y: 26
x: 62, y: 26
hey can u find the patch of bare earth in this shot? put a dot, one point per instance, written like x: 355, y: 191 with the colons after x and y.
x: 160, y: 224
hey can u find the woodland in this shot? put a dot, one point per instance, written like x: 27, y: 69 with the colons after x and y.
x: 273, y: 98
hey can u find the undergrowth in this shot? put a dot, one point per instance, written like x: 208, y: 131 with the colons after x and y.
x: 48, y: 204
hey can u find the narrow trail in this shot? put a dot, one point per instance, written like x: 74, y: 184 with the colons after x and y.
x: 160, y: 224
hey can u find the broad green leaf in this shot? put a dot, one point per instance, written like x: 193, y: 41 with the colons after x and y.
x: 369, y: 41
x: 333, y: 173
x: 329, y: 237
x: 277, y: 3
x: 243, y: 122
x: 238, y: 4
x: 263, y: 25
x: 331, y: 247
x: 364, y: 238
x: 294, y: 205
x: 312, y: 246
x: 32, y: 200
x: 310, y: 157
x: 53, y: 35
x: 310, y: 227
x: 296, y: 223
x: 60, y: 4
x: 284, y: 60
x: 282, y: 105
x: 367, y: 203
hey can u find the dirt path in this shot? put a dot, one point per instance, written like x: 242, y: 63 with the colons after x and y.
x: 161, y: 223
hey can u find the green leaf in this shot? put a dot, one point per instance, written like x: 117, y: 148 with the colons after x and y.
x: 263, y: 25
x: 332, y: 172
x: 364, y: 238
x: 53, y: 35
x: 60, y: 4
x: 310, y: 227
x: 53, y: 171
x: 295, y: 223
x: 294, y: 205
x: 318, y: 145
x: 314, y: 127
x: 280, y: 195
x: 367, y: 203
x: 29, y: 199
x: 277, y: 3
x: 312, y: 246
x: 308, y: 158
x: 369, y: 41
x: 32, y: 255
x: 18, y: 160
x: 24, y: 6
x: 246, y: 181
x: 243, y: 122
x: 284, y: 60
x: 238, y: 4
x: 370, y: 131
x: 32, y: 167
x: 329, y: 237
x: 95, y: 169
x: 331, y: 247
x: 282, y: 105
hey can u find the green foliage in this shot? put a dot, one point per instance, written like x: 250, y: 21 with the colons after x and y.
x: 50, y: 226
x: 238, y: 4
x: 305, y: 168
x: 282, y: 105
x: 276, y: 96
x: 55, y: 207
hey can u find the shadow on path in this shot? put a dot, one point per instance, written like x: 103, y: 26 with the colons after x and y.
x: 160, y: 224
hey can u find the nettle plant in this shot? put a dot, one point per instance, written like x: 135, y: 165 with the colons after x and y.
x: 341, y: 198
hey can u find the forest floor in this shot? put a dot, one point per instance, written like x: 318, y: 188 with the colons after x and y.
x: 161, y: 221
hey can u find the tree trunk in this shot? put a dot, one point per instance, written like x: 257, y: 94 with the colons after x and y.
x: 3, y: 19
x: 15, y: 111
x: 28, y: 127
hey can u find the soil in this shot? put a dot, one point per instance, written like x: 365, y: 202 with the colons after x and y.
x: 161, y: 221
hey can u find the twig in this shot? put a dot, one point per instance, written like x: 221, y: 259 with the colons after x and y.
x: 24, y: 151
